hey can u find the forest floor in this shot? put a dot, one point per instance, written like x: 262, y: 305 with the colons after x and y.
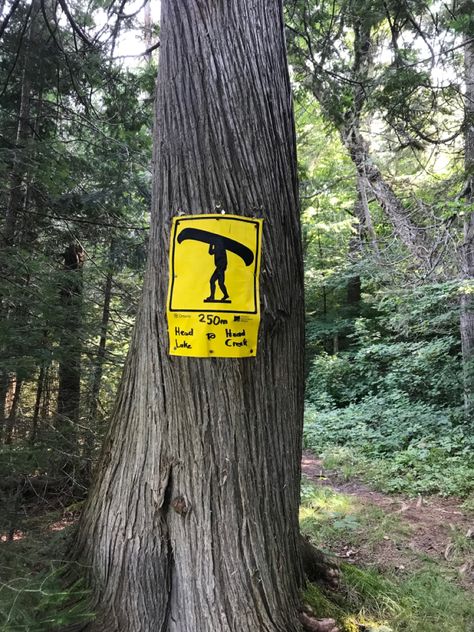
x: 406, y: 563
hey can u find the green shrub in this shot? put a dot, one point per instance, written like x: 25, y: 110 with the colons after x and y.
x: 398, y: 445
x: 426, y: 371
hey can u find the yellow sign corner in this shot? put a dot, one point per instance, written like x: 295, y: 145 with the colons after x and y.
x: 213, y: 305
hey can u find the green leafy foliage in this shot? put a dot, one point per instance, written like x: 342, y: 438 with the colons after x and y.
x: 422, y: 371
x: 391, y: 402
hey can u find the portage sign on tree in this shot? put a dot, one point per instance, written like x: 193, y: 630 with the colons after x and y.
x: 213, y: 295
x: 192, y: 522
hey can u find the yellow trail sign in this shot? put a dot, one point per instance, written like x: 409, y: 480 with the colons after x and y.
x: 213, y: 303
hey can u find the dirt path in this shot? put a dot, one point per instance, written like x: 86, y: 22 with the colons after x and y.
x: 426, y: 526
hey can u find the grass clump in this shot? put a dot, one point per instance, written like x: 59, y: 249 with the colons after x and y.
x: 329, y: 516
x: 423, y: 602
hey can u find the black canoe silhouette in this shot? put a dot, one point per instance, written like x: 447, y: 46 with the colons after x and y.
x: 211, y: 238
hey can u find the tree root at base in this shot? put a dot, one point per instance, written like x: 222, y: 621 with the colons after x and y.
x: 311, y: 624
x: 318, y: 567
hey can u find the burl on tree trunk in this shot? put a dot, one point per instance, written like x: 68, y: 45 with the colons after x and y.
x: 192, y: 524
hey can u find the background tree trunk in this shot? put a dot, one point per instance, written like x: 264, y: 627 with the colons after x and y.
x: 12, y: 415
x: 99, y: 361
x: 17, y: 201
x: 467, y: 298
x: 23, y: 133
x: 69, y: 387
x: 45, y: 410
x: 69, y: 373
x: 90, y: 436
x: 411, y: 235
x: 148, y: 28
x: 36, y: 410
x: 192, y: 524
x: 3, y: 402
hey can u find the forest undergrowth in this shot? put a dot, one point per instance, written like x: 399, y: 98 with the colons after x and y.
x: 387, y: 197
x: 406, y: 562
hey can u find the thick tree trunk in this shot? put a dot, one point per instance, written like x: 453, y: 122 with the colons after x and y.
x: 467, y: 266
x: 192, y: 524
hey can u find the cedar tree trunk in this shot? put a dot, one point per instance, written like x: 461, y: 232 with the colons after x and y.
x: 192, y: 524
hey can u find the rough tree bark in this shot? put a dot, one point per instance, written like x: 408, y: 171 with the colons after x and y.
x: 192, y: 523
x: 467, y: 267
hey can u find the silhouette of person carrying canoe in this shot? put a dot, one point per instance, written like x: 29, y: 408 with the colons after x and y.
x: 219, y: 245
x: 217, y: 249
